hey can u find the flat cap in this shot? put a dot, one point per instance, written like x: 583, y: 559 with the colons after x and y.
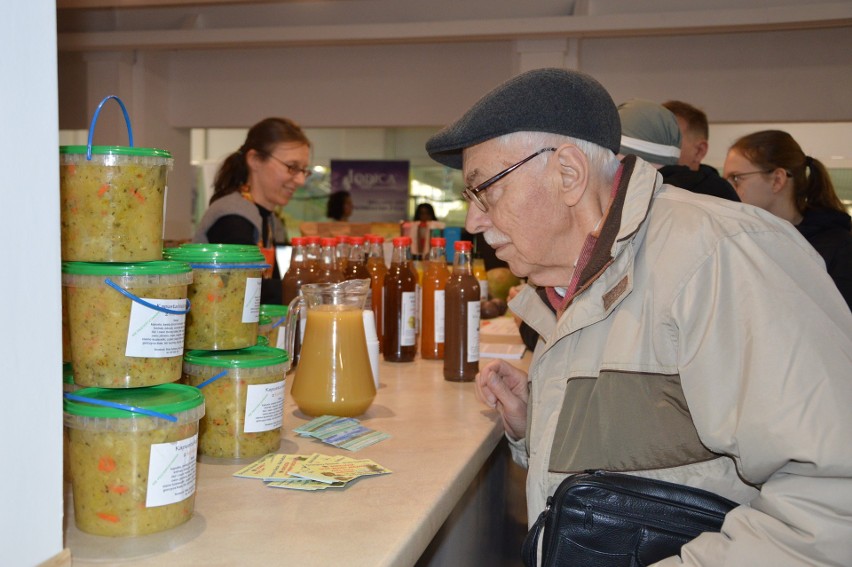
x: 550, y: 100
x: 650, y: 131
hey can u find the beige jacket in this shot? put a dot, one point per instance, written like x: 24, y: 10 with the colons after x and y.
x: 712, y: 350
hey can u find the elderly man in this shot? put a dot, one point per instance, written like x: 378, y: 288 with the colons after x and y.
x: 698, y: 341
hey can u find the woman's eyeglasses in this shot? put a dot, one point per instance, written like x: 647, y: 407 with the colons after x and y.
x: 292, y: 168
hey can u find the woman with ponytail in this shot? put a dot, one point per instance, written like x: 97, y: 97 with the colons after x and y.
x: 261, y: 175
x: 768, y: 169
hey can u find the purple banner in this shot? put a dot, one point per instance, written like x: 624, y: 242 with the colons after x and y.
x: 379, y: 188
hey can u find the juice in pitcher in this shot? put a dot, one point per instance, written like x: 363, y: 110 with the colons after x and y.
x: 334, y: 376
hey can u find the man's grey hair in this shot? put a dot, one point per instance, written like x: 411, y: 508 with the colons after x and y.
x: 602, y: 162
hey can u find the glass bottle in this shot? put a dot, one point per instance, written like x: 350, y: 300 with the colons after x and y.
x: 481, y: 274
x: 400, y: 290
x: 341, y: 252
x: 356, y: 267
x: 461, y: 318
x: 312, y: 254
x: 435, y: 277
x: 377, y: 268
x: 298, y: 273
x: 328, y: 271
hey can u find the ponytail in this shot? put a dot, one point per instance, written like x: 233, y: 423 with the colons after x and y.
x: 232, y: 175
x: 819, y: 192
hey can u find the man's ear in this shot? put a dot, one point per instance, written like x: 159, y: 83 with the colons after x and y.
x: 701, y: 150
x: 573, y: 173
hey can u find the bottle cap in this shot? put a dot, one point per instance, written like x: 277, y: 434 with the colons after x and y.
x: 437, y: 241
x: 328, y: 241
x: 463, y: 245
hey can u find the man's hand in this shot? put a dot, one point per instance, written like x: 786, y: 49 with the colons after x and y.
x: 503, y: 387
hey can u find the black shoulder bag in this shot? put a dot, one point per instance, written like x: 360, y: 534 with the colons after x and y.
x: 605, y: 519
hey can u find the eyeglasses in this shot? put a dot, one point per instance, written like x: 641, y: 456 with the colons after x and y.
x: 293, y: 169
x: 735, y: 178
x: 474, y: 194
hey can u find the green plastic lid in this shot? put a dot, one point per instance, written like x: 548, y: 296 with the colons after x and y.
x: 273, y: 310
x: 264, y: 319
x: 67, y: 373
x: 251, y: 357
x: 155, y: 268
x: 115, y: 150
x: 199, y: 253
x: 164, y: 398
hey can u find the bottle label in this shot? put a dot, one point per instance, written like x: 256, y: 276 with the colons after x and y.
x: 440, y: 294
x: 408, y: 319
x: 473, y: 331
x: 483, y: 289
x: 419, y: 310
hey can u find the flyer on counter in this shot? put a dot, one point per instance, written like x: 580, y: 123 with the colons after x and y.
x: 309, y: 472
x: 343, y: 432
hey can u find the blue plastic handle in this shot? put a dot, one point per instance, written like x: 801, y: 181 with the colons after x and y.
x: 115, y: 405
x: 141, y: 301
x: 95, y: 120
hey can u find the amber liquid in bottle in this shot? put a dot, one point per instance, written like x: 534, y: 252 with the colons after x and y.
x: 461, y: 319
x: 400, y: 289
x: 434, y: 282
x: 294, y: 278
x: 298, y: 273
x: 328, y: 270
x: 377, y: 269
x: 356, y: 267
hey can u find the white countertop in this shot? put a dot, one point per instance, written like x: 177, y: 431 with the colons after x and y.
x: 440, y: 437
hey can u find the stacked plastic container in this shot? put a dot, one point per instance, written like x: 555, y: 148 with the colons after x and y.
x: 132, y: 431
x: 242, y: 381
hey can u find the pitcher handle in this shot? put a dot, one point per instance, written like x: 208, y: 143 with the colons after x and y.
x: 294, y: 310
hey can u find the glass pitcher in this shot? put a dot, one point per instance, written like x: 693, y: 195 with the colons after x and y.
x: 334, y: 376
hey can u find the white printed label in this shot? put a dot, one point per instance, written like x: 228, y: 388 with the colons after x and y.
x: 440, y: 294
x: 171, y: 472
x: 282, y: 337
x: 154, y: 334
x: 251, y: 302
x: 419, y: 291
x: 483, y: 289
x: 473, y: 331
x: 264, y: 407
x: 408, y: 316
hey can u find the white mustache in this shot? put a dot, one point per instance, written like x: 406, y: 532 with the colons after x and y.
x: 495, y: 240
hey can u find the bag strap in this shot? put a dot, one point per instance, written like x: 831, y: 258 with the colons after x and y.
x: 529, y: 551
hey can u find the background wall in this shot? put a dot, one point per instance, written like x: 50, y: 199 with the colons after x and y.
x: 384, y: 63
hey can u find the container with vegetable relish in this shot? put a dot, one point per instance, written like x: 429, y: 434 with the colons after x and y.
x: 225, y: 294
x: 132, y: 456
x: 126, y: 321
x: 68, y: 386
x: 275, y: 331
x: 111, y: 204
x: 244, y: 395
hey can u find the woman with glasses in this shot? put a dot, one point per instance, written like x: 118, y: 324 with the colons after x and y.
x: 768, y: 169
x: 261, y: 175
